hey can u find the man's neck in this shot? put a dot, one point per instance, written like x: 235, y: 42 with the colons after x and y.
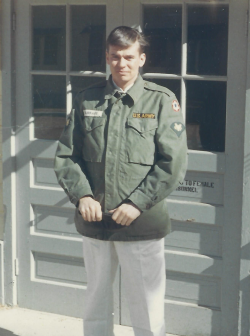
x: 124, y: 87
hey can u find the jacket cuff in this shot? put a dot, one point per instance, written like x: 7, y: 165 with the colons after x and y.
x: 76, y: 194
x: 142, y: 201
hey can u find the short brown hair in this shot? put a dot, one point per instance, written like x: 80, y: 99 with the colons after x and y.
x: 124, y: 37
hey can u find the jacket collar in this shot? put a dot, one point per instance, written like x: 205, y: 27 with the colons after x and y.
x: 135, y: 92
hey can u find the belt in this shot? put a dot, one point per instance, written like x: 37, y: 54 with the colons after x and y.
x: 106, y: 217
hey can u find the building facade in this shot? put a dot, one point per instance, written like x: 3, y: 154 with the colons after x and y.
x: 200, y: 49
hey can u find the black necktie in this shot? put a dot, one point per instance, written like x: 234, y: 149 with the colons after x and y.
x: 120, y: 95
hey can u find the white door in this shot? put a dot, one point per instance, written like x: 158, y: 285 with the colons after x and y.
x: 198, y: 50
x: 60, y: 49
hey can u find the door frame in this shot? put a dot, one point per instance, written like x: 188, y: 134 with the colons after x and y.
x: 244, y: 286
x: 9, y: 170
x: 8, y: 150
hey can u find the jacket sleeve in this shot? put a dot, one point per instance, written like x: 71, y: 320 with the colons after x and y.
x: 68, y: 164
x: 171, y: 157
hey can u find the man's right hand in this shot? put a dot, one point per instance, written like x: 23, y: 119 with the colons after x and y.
x: 90, y: 209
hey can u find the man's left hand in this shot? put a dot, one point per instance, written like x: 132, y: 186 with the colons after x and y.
x: 125, y: 214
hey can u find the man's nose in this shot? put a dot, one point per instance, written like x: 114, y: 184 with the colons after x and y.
x: 122, y: 62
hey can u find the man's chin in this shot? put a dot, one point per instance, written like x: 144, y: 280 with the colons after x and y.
x: 123, y: 77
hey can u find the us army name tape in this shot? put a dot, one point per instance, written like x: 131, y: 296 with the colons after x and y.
x: 92, y: 113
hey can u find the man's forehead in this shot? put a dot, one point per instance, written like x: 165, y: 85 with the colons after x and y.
x: 134, y: 48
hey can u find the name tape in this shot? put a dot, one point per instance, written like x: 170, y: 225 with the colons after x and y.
x: 92, y: 113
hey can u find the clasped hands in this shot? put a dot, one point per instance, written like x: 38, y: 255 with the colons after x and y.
x: 91, y: 211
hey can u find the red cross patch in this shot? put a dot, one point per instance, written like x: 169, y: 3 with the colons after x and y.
x: 176, y: 105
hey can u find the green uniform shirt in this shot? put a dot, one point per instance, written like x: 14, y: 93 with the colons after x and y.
x: 123, y: 147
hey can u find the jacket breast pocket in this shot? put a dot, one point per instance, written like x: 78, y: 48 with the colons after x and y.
x: 93, y: 138
x: 140, y: 142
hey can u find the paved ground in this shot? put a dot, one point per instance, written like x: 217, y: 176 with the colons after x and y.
x: 25, y: 322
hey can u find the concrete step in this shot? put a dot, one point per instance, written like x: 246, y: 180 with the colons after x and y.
x: 15, y: 321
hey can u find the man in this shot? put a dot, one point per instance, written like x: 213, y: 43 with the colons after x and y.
x: 122, y: 152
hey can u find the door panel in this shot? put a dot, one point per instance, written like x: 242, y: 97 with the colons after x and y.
x: 190, y: 45
x: 60, y: 50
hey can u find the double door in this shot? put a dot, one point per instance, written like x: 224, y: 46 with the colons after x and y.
x: 60, y: 49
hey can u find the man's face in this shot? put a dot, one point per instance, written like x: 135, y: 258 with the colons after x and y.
x: 125, y: 63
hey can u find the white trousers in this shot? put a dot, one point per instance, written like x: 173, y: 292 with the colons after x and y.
x: 143, y: 270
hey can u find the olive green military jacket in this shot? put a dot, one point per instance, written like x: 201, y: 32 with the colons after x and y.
x: 123, y: 148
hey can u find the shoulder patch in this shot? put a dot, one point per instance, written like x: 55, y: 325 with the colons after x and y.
x: 175, y: 105
x: 155, y: 87
x: 69, y: 118
x: 178, y: 128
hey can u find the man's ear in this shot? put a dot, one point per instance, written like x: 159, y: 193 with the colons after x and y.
x: 107, y: 57
x: 142, y: 59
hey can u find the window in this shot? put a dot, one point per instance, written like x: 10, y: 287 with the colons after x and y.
x: 188, y: 55
x: 57, y: 73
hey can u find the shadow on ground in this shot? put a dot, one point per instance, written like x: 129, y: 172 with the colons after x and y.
x: 5, y: 332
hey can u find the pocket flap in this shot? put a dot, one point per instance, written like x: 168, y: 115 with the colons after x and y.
x: 91, y: 123
x: 142, y: 125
